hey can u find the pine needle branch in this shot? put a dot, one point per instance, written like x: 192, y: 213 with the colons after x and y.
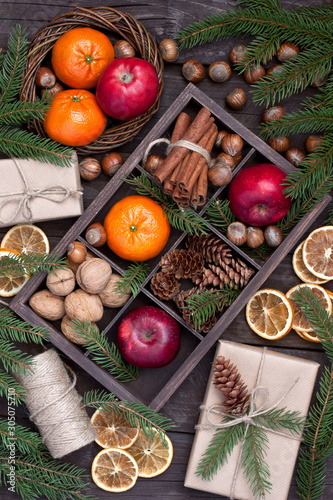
x: 13, y: 64
x: 104, y: 353
x: 132, y: 279
x: 26, y: 441
x: 11, y: 389
x: 13, y: 328
x: 15, y: 113
x: 183, y: 219
x: 13, y: 265
x: 278, y: 418
x: 253, y: 461
x: 13, y: 359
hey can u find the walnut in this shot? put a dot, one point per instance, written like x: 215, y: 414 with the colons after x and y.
x: 47, y: 305
x: 109, y: 297
x: 83, y: 306
x: 61, y: 281
x: 93, y: 275
x: 67, y: 329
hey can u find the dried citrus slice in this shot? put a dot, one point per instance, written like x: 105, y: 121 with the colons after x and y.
x: 311, y: 336
x: 11, y: 286
x: 151, y: 455
x: 114, y: 470
x: 26, y: 238
x: 301, y: 270
x: 318, y: 252
x: 269, y: 314
x: 300, y: 321
x: 113, y: 430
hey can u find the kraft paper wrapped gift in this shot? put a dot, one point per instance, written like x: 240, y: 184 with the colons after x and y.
x: 278, y: 374
x: 33, y: 191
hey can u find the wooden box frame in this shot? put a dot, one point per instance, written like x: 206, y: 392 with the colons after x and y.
x: 173, y: 377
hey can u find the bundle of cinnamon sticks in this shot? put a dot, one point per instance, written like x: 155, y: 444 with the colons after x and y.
x: 184, y: 173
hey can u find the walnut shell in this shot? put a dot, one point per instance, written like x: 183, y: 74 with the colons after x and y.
x: 109, y: 297
x: 93, y: 275
x: 67, y: 329
x: 83, y: 306
x: 61, y: 282
x: 47, y: 305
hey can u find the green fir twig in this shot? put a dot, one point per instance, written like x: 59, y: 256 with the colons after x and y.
x: 132, y: 279
x: 26, y: 441
x: 13, y: 265
x: 183, y: 219
x: 254, y: 465
x: 9, y: 384
x: 13, y: 328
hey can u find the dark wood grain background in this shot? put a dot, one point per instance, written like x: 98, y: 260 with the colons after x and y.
x: 163, y: 18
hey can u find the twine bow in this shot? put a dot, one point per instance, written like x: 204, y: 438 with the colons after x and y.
x: 181, y: 143
x: 57, y: 194
x: 248, y: 419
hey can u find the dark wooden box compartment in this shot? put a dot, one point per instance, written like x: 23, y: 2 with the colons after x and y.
x: 154, y: 387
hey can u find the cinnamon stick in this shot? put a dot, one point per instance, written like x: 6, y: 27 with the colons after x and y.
x: 168, y: 188
x: 195, y: 131
x: 202, y: 186
x: 197, y: 161
x: 194, y: 194
x: 179, y: 198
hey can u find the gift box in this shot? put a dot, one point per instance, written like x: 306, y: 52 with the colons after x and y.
x: 34, y: 191
x: 286, y: 380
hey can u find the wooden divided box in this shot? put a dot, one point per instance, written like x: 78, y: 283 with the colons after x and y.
x: 155, y: 386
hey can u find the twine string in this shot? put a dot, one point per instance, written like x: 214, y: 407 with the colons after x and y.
x: 181, y: 143
x: 57, y: 194
x: 248, y: 419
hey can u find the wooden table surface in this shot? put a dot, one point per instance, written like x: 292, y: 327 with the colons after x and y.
x: 163, y: 18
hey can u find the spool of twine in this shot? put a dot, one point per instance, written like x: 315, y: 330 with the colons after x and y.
x: 55, y: 406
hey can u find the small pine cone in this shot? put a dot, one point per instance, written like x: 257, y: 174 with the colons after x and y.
x: 164, y: 286
x: 181, y: 302
x: 182, y: 263
x: 238, y: 272
x: 210, y: 247
x: 207, y: 278
x: 229, y: 382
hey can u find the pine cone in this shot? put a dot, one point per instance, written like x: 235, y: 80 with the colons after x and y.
x: 164, y: 286
x: 210, y: 247
x: 212, y: 277
x: 181, y: 302
x: 229, y: 382
x: 182, y: 263
x: 238, y: 272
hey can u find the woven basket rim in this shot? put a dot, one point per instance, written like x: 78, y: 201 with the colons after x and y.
x: 110, y: 20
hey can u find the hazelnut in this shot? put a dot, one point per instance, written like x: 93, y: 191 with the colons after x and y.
x: 219, y: 137
x: 237, y: 233
x: 53, y: 90
x: 313, y: 142
x: 111, y: 163
x: 68, y: 330
x: 228, y: 159
x: 109, y: 296
x: 287, y: 52
x: 93, y: 274
x: 122, y: 48
x: 47, y: 305
x: 280, y: 144
x: 232, y: 144
x: 169, y: 50
x: 273, y: 113
x: 74, y: 266
x: 77, y: 252
x: 273, y: 236
x: 295, y: 156
x: 236, y: 98
x: 220, y: 173
x: 253, y: 74
x: 61, y: 281
x: 96, y: 234
x: 193, y: 71
x: 274, y: 70
x: 219, y: 71
x: 255, y: 237
x: 237, y: 53
x: 83, y: 306
x: 89, y: 168
x: 152, y: 163
x: 45, y: 78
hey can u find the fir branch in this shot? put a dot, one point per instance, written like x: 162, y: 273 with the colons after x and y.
x: 220, y: 215
x: 205, y: 304
x: 13, y: 64
x: 104, y: 353
x: 13, y: 265
x: 305, y: 121
x: 15, y: 113
x: 259, y: 51
x: 135, y: 413
x: 15, y: 329
x: 262, y: 4
x: 253, y: 461
x: 220, y: 447
x: 16, y: 142
x: 278, y: 418
x: 183, y: 219
x: 26, y: 441
x: 13, y: 359
x: 8, y: 383
x: 132, y: 279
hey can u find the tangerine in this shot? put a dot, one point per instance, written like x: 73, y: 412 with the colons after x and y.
x: 74, y: 118
x: 137, y: 228
x: 80, y: 56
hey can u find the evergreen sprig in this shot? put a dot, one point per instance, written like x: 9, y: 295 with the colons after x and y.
x: 26, y: 440
x: 135, y: 413
x: 13, y: 140
x: 13, y: 328
x: 14, y: 265
x: 132, y: 279
x: 183, y: 219
x: 105, y: 354
x: 7, y: 381
x: 14, y: 359
x: 205, y: 304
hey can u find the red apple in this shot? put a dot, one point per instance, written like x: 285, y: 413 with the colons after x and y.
x: 256, y: 195
x: 127, y: 88
x: 148, y: 337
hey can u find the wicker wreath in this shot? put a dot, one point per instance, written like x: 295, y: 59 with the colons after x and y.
x: 105, y: 18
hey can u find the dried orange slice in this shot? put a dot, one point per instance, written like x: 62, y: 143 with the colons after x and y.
x: 114, y: 470
x: 11, y: 286
x: 113, y: 430
x: 300, y: 321
x: 151, y: 455
x: 311, y: 336
x: 318, y: 252
x: 301, y: 270
x: 26, y: 238
x: 269, y: 314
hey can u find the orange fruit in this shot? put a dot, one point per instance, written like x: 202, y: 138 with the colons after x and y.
x: 26, y: 238
x: 113, y: 430
x: 11, y: 286
x: 300, y: 322
x: 80, y: 56
x: 269, y: 314
x: 151, y: 455
x: 114, y: 470
x: 136, y: 228
x: 74, y: 118
x: 318, y: 252
x: 301, y: 270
